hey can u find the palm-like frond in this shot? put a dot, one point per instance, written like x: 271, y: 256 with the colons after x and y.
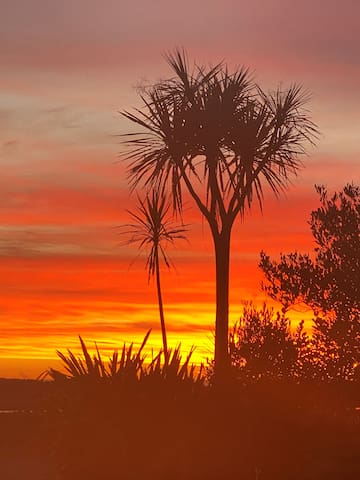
x: 220, y: 135
x: 153, y: 227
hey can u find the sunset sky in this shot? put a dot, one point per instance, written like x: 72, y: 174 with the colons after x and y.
x: 67, y: 68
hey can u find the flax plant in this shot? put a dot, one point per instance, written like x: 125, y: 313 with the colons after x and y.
x: 129, y: 364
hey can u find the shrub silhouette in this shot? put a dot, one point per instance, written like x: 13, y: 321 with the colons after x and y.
x: 329, y: 283
x: 263, y: 345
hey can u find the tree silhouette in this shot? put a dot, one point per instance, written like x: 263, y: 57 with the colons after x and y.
x: 329, y: 283
x: 152, y: 228
x: 219, y: 136
x: 263, y: 345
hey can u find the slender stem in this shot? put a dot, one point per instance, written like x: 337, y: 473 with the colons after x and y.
x: 161, y: 308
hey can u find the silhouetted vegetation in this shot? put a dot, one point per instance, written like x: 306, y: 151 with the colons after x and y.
x: 153, y: 228
x: 263, y: 345
x: 129, y: 366
x: 329, y: 283
x: 275, y: 417
x: 270, y: 427
x: 219, y: 136
x: 129, y: 419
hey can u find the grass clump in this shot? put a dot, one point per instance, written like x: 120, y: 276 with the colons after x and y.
x: 129, y: 364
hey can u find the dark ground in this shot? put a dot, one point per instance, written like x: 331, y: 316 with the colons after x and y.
x: 26, y: 436
x: 257, y: 434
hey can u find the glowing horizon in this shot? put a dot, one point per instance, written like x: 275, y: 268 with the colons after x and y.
x: 65, y: 269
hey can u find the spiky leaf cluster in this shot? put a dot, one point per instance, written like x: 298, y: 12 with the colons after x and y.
x: 153, y: 227
x: 217, y: 133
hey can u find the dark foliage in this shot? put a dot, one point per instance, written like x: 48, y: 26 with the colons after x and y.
x: 126, y: 369
x: 329, y: 283
x: 128, y: 420
x: 263, y: 345
x: 152, y: 229
x: 215, y: 134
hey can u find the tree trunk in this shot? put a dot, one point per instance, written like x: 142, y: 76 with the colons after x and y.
x: 222, y: 255
x: 161, y: 308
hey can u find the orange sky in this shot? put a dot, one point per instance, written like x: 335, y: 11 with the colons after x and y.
x: 66, y: 71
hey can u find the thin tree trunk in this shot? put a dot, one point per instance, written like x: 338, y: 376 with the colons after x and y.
x: 222, y: 255
x: 161, y: 308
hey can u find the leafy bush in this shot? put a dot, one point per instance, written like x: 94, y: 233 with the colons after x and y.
x: 328, y: 282
x: 263, y: 345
